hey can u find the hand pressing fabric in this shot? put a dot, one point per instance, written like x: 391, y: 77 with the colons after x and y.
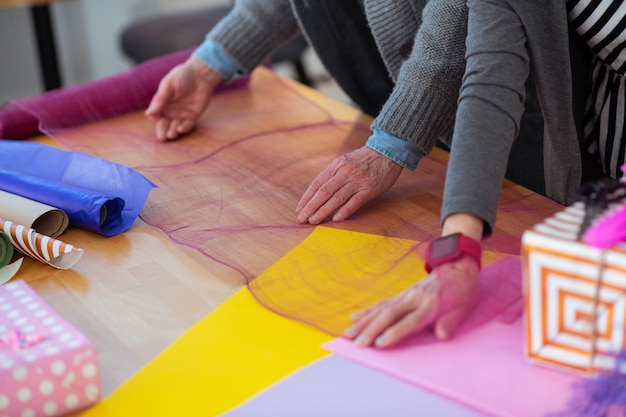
x: 349, y: 182
x: 443, y: 299
x: 181, y: 98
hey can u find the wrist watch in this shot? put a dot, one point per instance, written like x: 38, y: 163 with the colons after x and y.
x: 451, y: 248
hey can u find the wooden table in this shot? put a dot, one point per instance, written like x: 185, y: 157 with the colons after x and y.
x: 135, y: 293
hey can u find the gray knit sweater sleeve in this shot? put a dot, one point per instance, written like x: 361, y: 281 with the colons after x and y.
x: 491, y: 104
x: 422, y: 105
x: 253, y: 30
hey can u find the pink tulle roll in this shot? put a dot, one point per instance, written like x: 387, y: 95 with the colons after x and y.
x: 127, y: 91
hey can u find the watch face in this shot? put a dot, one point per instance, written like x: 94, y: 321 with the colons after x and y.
x: 451, y: 248
x: 444, y: 247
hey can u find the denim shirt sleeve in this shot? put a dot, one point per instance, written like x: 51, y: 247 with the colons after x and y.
x: 215, y: 57
x: 398, y: 150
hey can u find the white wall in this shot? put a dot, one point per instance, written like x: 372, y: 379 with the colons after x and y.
x: 86, y: 38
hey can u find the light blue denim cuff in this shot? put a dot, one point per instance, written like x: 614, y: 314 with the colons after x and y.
x: 398, y: 150
x: 215, y: 57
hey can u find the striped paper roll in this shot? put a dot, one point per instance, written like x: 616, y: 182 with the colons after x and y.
x: 41, y: 247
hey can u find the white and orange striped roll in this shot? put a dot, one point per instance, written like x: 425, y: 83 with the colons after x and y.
x: 41, y: 247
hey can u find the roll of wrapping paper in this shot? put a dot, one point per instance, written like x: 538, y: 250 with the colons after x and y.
x: 43, y: 248
x: 6, y: 249
x: 86, y: 209
x: 44, y: 218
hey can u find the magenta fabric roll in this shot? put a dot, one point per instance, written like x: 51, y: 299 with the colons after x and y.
x: 17, y: 124
x: 128, y: 91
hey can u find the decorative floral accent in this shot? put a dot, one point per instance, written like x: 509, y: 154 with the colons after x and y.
x: 18, y: 340
x: 602, y: 396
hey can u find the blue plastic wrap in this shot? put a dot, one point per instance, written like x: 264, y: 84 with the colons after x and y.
x: 97, y: 195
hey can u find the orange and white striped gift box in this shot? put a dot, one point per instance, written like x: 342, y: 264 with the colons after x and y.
x: 575, y: 296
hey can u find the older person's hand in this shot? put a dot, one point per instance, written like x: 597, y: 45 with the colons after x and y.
x: 348, y: 183
x: 182, y: 96
x: 442, y: 299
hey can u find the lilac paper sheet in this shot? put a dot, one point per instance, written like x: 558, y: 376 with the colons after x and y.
x: 96, y: 194
x: 334, y: 386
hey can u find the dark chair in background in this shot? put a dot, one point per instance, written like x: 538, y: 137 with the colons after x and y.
x: 164, y: 34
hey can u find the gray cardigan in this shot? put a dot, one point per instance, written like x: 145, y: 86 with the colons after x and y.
x: 421, y: 43
x: 507, y: 39
x: 426, y: 77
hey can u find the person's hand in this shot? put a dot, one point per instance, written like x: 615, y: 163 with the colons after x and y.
x: 182, y: 96
x: 442, y: 299
x: 348, y: 183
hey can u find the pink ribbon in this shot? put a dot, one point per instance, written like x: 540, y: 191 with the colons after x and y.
x: 18, y: 340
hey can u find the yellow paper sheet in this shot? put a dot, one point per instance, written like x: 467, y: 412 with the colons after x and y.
x: 334, y: 273
x: 230, y: 355
x: 242, y: 347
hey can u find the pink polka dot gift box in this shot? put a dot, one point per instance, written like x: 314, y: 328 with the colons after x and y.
x: 47, y: 367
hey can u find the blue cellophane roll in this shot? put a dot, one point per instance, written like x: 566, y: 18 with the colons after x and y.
x: 97, y: 195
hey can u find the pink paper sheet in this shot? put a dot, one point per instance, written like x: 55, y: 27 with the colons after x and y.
x: 484, y: 369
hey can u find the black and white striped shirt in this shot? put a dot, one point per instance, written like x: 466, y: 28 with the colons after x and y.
x: 602, y: 24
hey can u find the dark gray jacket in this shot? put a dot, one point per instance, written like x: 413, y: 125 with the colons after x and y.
x: 506, y: 40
